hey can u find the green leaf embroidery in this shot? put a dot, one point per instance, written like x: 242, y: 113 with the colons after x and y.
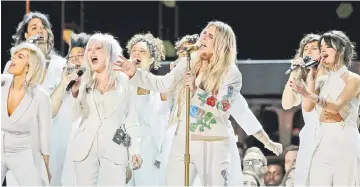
x: 205, y: 122
x: 202, y: 97
x: 208, y: 116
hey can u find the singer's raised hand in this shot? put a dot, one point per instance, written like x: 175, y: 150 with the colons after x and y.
x: 298, y: 61
x: 126, y: 66
x: 298, y: 86
x: 68, y: 74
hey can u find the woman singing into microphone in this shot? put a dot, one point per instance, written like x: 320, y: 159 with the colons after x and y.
x: 108, y: 134
x: 213, y: 81
x: 308, y: 47
x: 336, y: 159
x: 25, y: 118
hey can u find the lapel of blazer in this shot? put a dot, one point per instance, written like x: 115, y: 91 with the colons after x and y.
x: 23, y: 107
x: 5, y: 85
x: 117, y: 99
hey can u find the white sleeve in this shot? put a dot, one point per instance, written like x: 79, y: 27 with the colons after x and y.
x: 242, y: 114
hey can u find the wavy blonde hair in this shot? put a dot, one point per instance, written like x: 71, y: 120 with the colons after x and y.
x: 36, y: 62
x: 223, y: 57
x: 113, y: 51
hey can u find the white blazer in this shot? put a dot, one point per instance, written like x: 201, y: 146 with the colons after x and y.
x: 34, y: 110
x: 118, y: 109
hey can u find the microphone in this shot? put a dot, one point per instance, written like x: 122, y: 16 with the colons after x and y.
x: 192, y: 48
x: 294, y: 67
x: 79, y: 74
x: 311, y: 63
x: 34, y: 38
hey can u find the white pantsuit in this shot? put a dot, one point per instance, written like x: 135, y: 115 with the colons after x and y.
x: 25, y: 135
x: 209, y: 116
x: 98, y: 159
x: 51, y: 81
x: 336, y: 159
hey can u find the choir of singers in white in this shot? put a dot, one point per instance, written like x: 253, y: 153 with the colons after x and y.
x: 122, y: 124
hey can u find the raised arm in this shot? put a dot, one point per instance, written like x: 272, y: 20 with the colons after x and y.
x: 350, y: 91
x: 147, y: 80
x: 58, y: 93
x: 289, y: 97
x: 220, y: 103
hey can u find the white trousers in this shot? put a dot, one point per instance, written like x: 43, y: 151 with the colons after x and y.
x: 18, y: 158
x: 208, y: 159
x: 148, y: 174
x: 335, y: 159
x: 304, y: 156
x: 98, y: 170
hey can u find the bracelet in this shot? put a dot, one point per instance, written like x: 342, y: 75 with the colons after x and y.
x: 321, y: 102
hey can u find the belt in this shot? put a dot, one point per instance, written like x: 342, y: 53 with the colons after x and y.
x: 15, y: 132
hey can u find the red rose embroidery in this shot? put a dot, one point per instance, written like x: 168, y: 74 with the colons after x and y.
x: 211, y: 101
x: 225, y: 105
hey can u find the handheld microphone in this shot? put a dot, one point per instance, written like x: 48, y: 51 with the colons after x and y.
x: 79, y: 74
x: 34, y: 39
x: 310, y: 64
x: 294, y: 67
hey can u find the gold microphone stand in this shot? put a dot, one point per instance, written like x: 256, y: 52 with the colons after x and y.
x: 187, y: 138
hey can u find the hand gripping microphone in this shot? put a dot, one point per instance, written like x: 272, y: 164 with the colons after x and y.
x: 79, y: 74
x: 294, y: 67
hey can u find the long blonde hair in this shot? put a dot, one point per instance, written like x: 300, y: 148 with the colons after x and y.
x: 36, y: 62
x: 223, y: 57
x: 113, y: 50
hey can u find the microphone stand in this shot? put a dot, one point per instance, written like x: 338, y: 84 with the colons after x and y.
x: 187, y: 138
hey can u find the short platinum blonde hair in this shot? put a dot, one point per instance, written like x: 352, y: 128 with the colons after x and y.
x: 36, y: 62
x: 113, y: 50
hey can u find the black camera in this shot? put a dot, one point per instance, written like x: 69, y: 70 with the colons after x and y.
x: 121, y: 137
